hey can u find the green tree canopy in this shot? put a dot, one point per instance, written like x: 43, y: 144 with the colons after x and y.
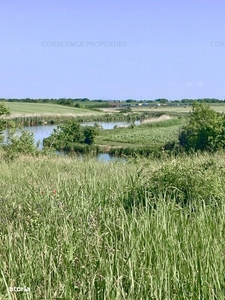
x: 71, y: 133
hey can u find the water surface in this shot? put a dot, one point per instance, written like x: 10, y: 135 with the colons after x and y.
x: 43, y: 131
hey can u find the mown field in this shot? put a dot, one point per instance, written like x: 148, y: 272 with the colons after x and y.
x: 82, y: 229
x: 20, y: 108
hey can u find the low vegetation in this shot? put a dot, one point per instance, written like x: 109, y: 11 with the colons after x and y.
x: 140, y: 229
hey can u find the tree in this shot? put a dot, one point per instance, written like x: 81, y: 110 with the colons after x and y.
x: 89, y: 134
x: 70, y: 133
x: 205, y: 129
x: 65, y: 136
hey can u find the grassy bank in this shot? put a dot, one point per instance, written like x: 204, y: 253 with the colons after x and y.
x: 81, y: 230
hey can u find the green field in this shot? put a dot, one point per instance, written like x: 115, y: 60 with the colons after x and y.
x: 21, y: 108
x: 152, y: 134
x: 70, y: 228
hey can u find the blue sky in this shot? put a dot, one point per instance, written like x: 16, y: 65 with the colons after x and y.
x: 112, y: 49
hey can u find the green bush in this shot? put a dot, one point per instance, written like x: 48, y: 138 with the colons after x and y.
x: 18, y: 142
x: 3, y: 111
x: 205, y: 130
x: 65, y: 136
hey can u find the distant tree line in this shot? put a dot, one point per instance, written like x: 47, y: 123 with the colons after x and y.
x: 182, y: 101
x: 98, y: 103
x: 61, y: 100
x: 40, y: 100
x: 76, y: 102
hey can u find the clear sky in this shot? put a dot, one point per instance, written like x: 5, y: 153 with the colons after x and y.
x: 119, y: 49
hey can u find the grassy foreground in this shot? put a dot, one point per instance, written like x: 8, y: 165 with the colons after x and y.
x: 66, y: 230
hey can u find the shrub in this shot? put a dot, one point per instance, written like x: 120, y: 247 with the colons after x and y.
x: 72, y: 133
x: 205, y: 130
x: 18, y: 142
x: 3, y: 111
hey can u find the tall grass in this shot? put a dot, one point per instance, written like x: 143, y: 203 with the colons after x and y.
x: 65, y: 231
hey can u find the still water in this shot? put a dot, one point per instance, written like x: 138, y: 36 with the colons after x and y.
x: 42, y: 132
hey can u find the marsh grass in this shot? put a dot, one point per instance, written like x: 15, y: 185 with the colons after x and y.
x: 65, y: 232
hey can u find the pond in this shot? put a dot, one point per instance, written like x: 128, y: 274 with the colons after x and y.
x: 42, y: 132
x: 110, y: 125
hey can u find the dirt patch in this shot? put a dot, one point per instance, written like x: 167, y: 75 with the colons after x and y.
x: 158, y: 119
